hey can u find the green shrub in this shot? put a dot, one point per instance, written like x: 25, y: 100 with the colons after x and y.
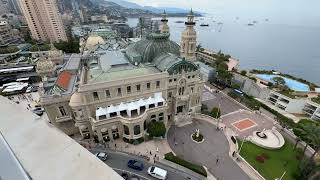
x: 194, y: 167
x: 133, y: 141
x: 215, y: 112
x: 9, y: 49
x: 156, y: 129
x: 243, y: 72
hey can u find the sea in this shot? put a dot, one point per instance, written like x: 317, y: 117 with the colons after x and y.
x: 266, y: 44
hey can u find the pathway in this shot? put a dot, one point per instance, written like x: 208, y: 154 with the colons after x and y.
x: 215, y: 146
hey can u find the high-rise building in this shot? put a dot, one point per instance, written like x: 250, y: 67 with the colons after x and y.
x: 189, y: 39
x: 4, y: 7
x: 44, y: 20
x: 14, y: 7
x: 8, y: 35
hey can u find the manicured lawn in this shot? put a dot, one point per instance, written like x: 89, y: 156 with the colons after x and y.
x: 277, y: 161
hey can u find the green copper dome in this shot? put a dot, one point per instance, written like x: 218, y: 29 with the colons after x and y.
x: 154, y: 45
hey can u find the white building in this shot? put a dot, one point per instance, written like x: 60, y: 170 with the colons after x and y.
x: 312, y: 109
x: 290, y: 105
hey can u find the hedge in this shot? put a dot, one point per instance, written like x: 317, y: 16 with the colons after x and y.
x: 156, y: 129
x: 194, y: 167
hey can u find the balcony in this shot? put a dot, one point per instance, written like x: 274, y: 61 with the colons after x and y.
x: 63, y: 118
x: 183, y: 97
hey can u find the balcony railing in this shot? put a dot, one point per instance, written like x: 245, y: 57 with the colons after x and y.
x: 63, y: 118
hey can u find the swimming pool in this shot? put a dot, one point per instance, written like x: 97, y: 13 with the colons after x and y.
x: 292, y: 84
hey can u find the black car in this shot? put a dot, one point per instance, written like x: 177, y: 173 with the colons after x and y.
x: 38, y: 111
x: 134, y: 177
x: 125, y: 176
x: 134, y: 164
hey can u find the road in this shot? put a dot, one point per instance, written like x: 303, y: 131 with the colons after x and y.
x: 215, y: 146
x: 118, y: 161
x: 215, y: 99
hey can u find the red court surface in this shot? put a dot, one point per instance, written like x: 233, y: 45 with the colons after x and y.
x: 244, y: 124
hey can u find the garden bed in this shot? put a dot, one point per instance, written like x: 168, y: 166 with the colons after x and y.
x: 194, y: 167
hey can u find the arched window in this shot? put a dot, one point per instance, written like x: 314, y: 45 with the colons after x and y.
x: 136, y: 130
x: 153, y: 117
x: 126, y: 130
x: 161, y: 117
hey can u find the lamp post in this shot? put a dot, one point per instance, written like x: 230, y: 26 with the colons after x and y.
x: 218, y: 118
x: 245, y: 138
x: 281, y: 176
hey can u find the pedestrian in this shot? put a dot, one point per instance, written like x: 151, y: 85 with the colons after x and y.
x: 115, y: 146
x: 217, y: 161
x: 150, y: 153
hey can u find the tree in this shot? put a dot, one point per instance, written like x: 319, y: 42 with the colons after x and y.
x: 9, y: 49
x: 279, y: 81
x: 243, y: 73
x: 71, y: 46
x: 309, y: 132
x: 199, y: 47
x: 156, y: 129
x: 215, y: 113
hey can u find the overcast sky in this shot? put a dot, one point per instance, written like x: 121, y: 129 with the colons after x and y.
x: 276, y: 8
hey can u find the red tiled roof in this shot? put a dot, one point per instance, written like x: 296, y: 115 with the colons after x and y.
x: 64, y: 80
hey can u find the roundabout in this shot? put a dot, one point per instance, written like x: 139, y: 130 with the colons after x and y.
x: 212, y: 152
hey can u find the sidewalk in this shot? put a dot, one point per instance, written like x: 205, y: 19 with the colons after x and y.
x: 242, y: 163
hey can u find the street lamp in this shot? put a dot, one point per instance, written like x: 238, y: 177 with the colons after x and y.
x: 281, y: 176
x: 245, y: 138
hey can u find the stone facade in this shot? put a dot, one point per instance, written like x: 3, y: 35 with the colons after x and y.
x: 189, y: 39
x: 120, y: 93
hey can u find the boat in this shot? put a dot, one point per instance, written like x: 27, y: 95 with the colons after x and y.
x: 255, y: 22
x: 204, y: 24
x: 266, y: 19
x: 220, y: 23
x: 179, y: 21
x: 250, y: 24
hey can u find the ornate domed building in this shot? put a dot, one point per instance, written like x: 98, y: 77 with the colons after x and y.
x: 120, y: 92
x: 92, y: 41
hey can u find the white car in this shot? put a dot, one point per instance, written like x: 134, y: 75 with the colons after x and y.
x: 102, y: 156
x: 157, y: 172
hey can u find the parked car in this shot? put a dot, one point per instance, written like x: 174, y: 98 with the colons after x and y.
x: 102, y: 156
x: 38, y: 110
x: 134, y: 177
x: 32, y: 89
x: 157, y: 172
x: 134, y: 164
x: 125, y: 176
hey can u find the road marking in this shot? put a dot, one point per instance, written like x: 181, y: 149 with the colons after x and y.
x: 131, y: 173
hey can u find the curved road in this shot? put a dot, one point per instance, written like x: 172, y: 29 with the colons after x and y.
x: 214, y: 147
x: 118, y: 162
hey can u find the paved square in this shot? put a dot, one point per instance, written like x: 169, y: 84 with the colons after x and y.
x: 244, y: 124
x: 206, y: 96
x: 219, y: 99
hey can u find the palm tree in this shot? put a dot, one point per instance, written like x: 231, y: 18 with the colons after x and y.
x: 310, y: 133
x: 279, y: 81
x: 297, y: 141
x: 313, y: 138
